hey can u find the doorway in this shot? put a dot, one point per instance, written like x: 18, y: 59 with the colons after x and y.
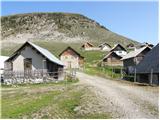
x: 27, y: 64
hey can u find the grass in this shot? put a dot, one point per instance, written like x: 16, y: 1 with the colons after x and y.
x: 16, y: 105
x: 51, y: 100
x: 70, y: 103
x: 7, y: 51
x: 32, y: 104
x: 107, y: 72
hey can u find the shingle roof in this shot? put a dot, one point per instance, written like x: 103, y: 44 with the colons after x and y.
x: 150, y: 61
x: 43, y: 51
x: 134, y: 53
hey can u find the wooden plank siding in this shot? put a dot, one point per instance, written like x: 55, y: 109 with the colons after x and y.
x: 71, y: 58
x: 113, y: 60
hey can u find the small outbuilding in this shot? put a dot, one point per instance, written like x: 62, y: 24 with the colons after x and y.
x: 130, y: 46
x: 30, y: 57
x: 112, y: 59
x: 133, y: 58
x: 105, y: 47
x: 71, y: 58
x: 89, y: 47
x: 119, y: 50
x: 146, y: 44
x: 148, y: 69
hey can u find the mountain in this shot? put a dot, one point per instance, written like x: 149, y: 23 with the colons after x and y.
x: 57, y: 27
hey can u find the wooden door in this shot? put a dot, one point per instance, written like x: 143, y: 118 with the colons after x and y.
x: 27, y: 64
x: 69, y: 65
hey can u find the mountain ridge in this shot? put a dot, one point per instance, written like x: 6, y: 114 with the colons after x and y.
x: 57, y: 27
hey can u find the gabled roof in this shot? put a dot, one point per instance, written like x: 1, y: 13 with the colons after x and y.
x: 150, y: 61
x: 88, y: 44
x: 135, y: 53
x: 103, y: 44
x: 145, y: 44
x: 118, y: 45
x: 42, y: 51
x: 130, y: 45
x: 72, y: 50
x: 110, y: 53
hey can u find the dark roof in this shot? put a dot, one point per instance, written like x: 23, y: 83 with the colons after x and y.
x: 88, y: 44
x: 41, y: 50
x: 118, y: 45
x: 72, y: 50
x: 130, y: 45
x: 111, y: 53
x: 146, y: 44
x: 150, y: 61
x: 103, y: 44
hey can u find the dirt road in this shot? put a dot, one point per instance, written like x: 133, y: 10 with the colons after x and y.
x: 122, y: 99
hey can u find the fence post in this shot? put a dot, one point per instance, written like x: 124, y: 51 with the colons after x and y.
x: 121, y: 73
x: 151, y: 78
x: 66, y: 79
x: 112, y: 71
x: 135, y: 75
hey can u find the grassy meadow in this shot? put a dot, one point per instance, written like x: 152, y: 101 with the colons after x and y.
x: 50, y: 100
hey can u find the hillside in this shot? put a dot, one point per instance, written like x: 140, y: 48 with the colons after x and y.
x: 59, y: 27
x: 56, y: 31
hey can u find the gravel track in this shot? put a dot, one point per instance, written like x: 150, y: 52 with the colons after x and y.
x: 122, y: 99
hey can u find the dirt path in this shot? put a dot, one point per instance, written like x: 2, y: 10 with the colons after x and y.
x: 123, y: 100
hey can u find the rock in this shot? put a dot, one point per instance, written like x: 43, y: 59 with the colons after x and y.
x: 78, y: 108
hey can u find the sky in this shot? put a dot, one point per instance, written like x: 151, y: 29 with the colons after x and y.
x: 135, y: 20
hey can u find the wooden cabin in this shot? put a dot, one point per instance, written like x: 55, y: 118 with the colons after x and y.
x: 71, y: 58
x: 105, y: 47
x: 119, y: 50
x: 133, y: 58
x: 130, y: 46
x: 148, y: 69
x: 112, y: 59
x: 89, y: 47
x: 145, y: 44
x: 30, y: 57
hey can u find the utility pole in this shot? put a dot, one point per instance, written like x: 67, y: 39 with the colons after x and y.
x: 151, y: 78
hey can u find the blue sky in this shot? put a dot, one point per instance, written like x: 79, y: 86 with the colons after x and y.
x: 135, y: 20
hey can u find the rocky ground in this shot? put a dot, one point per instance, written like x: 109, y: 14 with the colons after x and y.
x: 123, y: 99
